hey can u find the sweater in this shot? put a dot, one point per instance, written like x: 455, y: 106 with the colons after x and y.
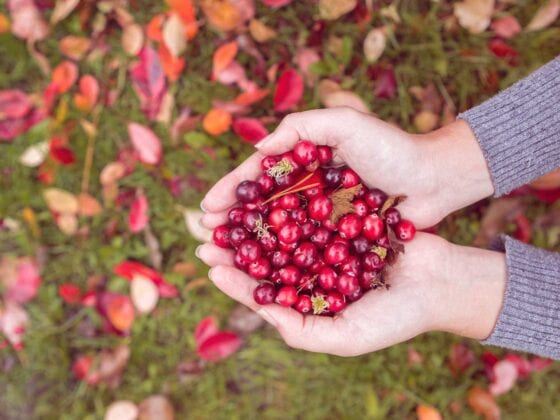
x: 518, y: 131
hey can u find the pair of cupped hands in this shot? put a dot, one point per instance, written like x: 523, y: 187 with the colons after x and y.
x: 435, y: 285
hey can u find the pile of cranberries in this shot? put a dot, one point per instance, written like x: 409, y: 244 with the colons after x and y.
x: 312, y: 234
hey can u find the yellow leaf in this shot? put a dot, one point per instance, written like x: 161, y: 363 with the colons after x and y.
x: 221, y: 14
x: 132, y: 39
x: 474, y: 15
x: 333, y: 9
x: 61, y: 201
x: 174, y: 35
x: 374, y: 44
x: 545, y: 16
x: 260, y: 32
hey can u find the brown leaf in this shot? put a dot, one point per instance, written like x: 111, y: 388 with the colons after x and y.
x: 474, y: 15
x: 428, y: 96
x: 132, y: 39
x: 185, y: 268
x: 260, y: 32
x: 74, y: 47
x: 496, y: 216
x: 395, y: 248
x: 62, y: 9
x: 391, y: 201
x: 112, y: 364
x: 61, y: 201
x: 88, y: 205
x: 154, y: 251
x: 545, y: 16
x: 483, y: 403
x: 333, y: 9
x: 326, y: 87
x: 374, y: 44
x: 156, y: 407
x: 342, y: 201
x: 222, y: 14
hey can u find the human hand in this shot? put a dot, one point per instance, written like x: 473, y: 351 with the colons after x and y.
x: 438, y: 172
x: 434, y: 285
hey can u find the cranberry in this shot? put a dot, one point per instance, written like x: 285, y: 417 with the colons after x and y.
x: 357, y: 295
x: 259, y: 269
x: 318, y: 291
x: 250, y: 219
x: 360, y: 245
x: 313, y: 192
x: 249, y: 251
x: 405, y: 230
x: 392, y: 216
x: 349, y: 178
x: 372, y: 262
x: 264, y: 293
x: 305, y: 255
x: 307, y: 229
x: 239, y: 261
x: 247, y: 191
x: 269, y: 242
x: 367, y: 279
x: 286, y: 180
x: 303, y: 304
x: 347, y: 283
x: 289, y: 201
x: 274, y: 204
x: 268, y: 162
x: 339, y: 239
x: 280, y: 258
x: 373, y: 227
x: 289, y: 275
x: 361, y: 207
x: 289, y: 157
x: 237, y: 235
x: 327, y: 278
x: 321, y: 237
x: 286, y: 296
x: 335, y: 253
x: 266, y: 183
x: 289, y: 248
x: 318, y: 265
x: 275, y: 277
x: 320, y: 208
x: 221, y: 236
x: 298, y: 215
x: 289, y: 233
x: 335, y: 301
x: 258, y: 205
x: 305, y: 152
x: 235, y: 216
x: 351, y: 265
x: 278, y: 218
x: 324, y: 154
x: 332, y: 177
x: 375, y: 198
x: 350, y: 226
x: 383, y: 241
x: 329, y: 224
x: 307, y: 282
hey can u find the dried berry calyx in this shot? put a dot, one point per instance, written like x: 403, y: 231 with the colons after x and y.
x: 313, y: 235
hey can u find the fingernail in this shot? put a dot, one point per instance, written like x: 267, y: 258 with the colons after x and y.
x: 264, y: 141
x: 202, y: 207
x: 197, y: 251
x: 267, y: 317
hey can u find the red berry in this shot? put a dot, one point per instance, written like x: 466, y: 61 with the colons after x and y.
x: 335, y: 253
x: 405, y: 230
x: 318, y: 265
x: 321, y: 237
x: 269, y: 242
x: 350, y: 226
x: 349, y: 178
x: 335, y: 301
x: 235, y: 216
x: 307, y: 229
x: 383, y: 241
x: 375, y: 198
x: 392, y: 216
x: 259, y: 269
x: 237, y: 234
x: 327, y: 278
x: 372, y: 262
x: 367, y: 279
x: 250, y: 219
x: 266, y: 183
x: 352, y: 265
x: 286, y: 180
x: 329, y: 224
x: 347, y: 283
x: 286, y: 296
x: 360, y: 245
x: 257, y: 205
x: 298, y: 215
x: 361, y: 207
x: 332, y: 177
x: 357, y: 295
x: 305, y: 255
x: 373, y: 227
x: 221, y: 236
x: 289, y: 248
x: 289, y: 233
x: 289, y: 201
x: 250, y: 251
x: 289, y: 275
x: 305, y: 152
x: 264, y: 293
x: 324, y: 154
x: 313, y: 192
x: 247, y: 191
x: 289, y: 157
x: 280, y: 258
x: 268, y: 162
x: 303, y: 304
x: 278, y: 218
x: 239, y: 261
x: 320, y: 208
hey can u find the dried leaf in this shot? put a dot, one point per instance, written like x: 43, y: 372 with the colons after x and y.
x: 88, y: 93
x: 148, y: 81
x: 425, y: 121
x: 501, y: 49
x: 64, y: 76
x: 429, y: 98
x: 260, y: 32
x: 222, y: 14
x: 121, y: 410
x: 132, y: 39
x: 505, y: 376
x: 506, y: 27
x: 144, y: 294
x: 333, y: 9
x: 385, y: 83
x: 74, y: 47
x: 174, y: 36
x: 545, y: 16
x: 88, y: 205
x: 345, y: 98
x: 120, y: 312
x: 27, y: 22
x: 19, y: 279
x: 474, y: 15
x: 374, y: 44
x: 13, y: 321
x: 483, y: 403
x: 146, y: 143
x: 62, y: 9
x: 427, y: 412
x: 111, y: 173
x: 35, y: 154
x: 112, y: 364
x: 289, y: 90
x: 206, y: 328
x: 128, y: 269
x: 156, y: 407
x: 192, y: 220
x: 461, y: 358
x: 219, y: 346
x: 139, y: 215
x: 251, y: 97
x: 342, y: 201
x: 276, y: 3
x: 61, y: 201
x: 223, y: 57
x: 216, y: 121
x: 244, y: 320
x: 4, y: 23
x: 250, y: 129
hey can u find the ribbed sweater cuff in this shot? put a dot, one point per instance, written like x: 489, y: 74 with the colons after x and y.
x: 519, y: 129
x: 530, y: 316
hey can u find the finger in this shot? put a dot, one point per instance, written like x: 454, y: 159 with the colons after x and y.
x: 213, y: 255
x: 213, y: 220
x: 322, y: 126
x: 312, y: 333
x: 222, y: 195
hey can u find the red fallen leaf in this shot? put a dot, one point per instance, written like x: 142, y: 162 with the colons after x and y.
x: 128, y: 269
x: 219, y: 346
x: 172, y: 66
x: 120, y: 312
x: 139, y: 215
x: 483, y: 403
x: 148, y: 81
x: 206, y: 328
x: 13, y: 321
x: 489, y: 360
x: 17, y: 114
x: 506, y: 27
x: 70, y: 293
x: 19, y: 278
x: 250, y: 129
x: 153, y: 30
x: 87, y: 97
x: 27, y: 22
x: 547, y: 196
x: 505, y: 376
x: 183, y: 8
x: 289, y: 90
x: 223, y: 56
x: 501, y: 49
x: 146, y: 143
x: 386, y: 84
x: 60, y: 152
x: 64, y: 76
x: 523, y: 231
x: 461, y: 358
x: 89, y: 299
x: 82, y: 369
x: 276, y: 3
x: 185, y: 122
x: 427, y: 412
x: 540, y: 363
x: 522, y: 365
x: 251, y: 97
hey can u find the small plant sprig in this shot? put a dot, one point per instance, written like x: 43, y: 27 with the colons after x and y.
x: 261, y: 229
x: 282, y: 168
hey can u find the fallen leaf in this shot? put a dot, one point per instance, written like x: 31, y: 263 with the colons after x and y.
x: 174, y: 35
x: 64, y: 76
x: 112, y: 364
x: 13, y: 321
x: 260, y: 32
x: 172, y: 66
x: 429, y: 98
x: 19, y: 278
x: 67, y: 223
x: 132, y: 39
x: 146, y: 143
x: 219, y: 346
x: 17, y: 114
x: 483, y: 403
x: 121, y: 410
x: 206, y: 328
x: 185, y: 122
x: 374, y: 44
x: 74, y: 47
x: 333, y: 9
x: 223, y: 57
x: 128, y: 269
x: 289, y: 90
x: 427, y: 412
x: 539, y: 364
x: 61, y: 201
x: 156, y: 407
x: 460, y: 359
x: 385, y: 83
x: 251, y: 97
x: 144, y: 294
x: 4, y: 23
x: 222, y: 14
x: 276, y: 3
x: 425, y: 121
x: 344, y: 98
x: 70, y: 293
x: 111, y: 173
x: 183, y: 8
x: 505, y: 376
x: 249, y: 129
x: 120, y: 312
x: 62, y: 9
x: 305, y: 58
x: 35, y: 154
x: 148, y: 81
x: 522, y: 365
x: 414, y: 357
x: 88, y: 205
x: 474, y: 15
x: 545, y: 16
x: 88, y: 93
x: 139, y: 215
x: 82, y: 368
x: 192, y: 221
x: 216, y: 121
x: 501, y: 49
x: 27, y: 22
x: 506, y: 27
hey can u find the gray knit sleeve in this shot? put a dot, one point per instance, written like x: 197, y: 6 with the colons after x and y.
x: 529, y: 319
x: 519, y: 129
